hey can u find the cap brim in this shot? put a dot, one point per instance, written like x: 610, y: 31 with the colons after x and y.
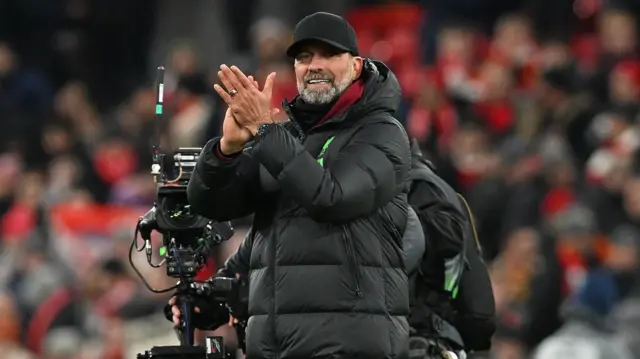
x: 294, y: 49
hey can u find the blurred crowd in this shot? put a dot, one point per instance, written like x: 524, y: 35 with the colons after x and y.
x: 528, y: 108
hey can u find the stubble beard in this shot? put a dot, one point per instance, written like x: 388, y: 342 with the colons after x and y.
x: 323, y: 96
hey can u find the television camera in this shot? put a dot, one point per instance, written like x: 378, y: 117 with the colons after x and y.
x: 188, y: 239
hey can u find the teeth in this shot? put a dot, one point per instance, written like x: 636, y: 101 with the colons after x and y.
x: 318, y: 81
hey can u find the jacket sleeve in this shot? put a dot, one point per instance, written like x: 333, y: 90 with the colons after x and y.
x: 444, y: 223
x: 239, y: 262
x: 366, y: 174
x: 413, y: 242
x: 223, y: 190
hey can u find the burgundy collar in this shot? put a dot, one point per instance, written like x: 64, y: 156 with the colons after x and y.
x: 352, y: 94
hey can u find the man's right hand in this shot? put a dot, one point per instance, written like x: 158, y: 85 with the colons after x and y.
x: 234, y: 136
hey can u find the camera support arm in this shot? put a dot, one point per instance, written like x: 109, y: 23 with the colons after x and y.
x: 185, y: 302
x: 147, y: 224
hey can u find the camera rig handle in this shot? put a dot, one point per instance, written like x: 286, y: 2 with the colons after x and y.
x: 185, y: 302
x: 146, y: 225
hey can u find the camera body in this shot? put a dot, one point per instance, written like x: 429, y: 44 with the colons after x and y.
x: 188, y: 240
x: 187, y: 237
x: 175, y: 212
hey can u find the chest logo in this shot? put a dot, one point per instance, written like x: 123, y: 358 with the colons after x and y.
x: 320, y: 159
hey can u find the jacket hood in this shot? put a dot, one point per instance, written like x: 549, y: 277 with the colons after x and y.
x: 415, y: 148
x: 382, y: 91
x: 417, y: 158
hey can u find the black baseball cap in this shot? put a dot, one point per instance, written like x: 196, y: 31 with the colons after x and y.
x: 324, y: 27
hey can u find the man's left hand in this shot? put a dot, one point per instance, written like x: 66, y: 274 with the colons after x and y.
x: 250, y: 106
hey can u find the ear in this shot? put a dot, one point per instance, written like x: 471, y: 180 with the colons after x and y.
x: 358, y: 63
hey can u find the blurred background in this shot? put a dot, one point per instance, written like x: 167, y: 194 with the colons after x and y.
x: 527, y: 107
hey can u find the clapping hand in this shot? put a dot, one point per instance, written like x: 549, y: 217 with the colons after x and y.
x: 234, y: 135
x: 250, y: 106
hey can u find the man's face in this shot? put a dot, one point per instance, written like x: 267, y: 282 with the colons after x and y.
x: 323, y: 73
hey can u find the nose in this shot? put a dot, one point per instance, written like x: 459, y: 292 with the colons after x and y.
x: 317, y: 64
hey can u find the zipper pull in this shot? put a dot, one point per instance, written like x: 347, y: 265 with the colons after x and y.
x: 286, y: 105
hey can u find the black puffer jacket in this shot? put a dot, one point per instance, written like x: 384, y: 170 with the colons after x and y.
x: 325, y: 259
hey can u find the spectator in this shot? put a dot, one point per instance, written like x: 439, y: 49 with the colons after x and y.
x: 585, y: 333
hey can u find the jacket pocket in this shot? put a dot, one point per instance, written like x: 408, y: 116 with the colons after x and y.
x: 354, y: 269
x: 389, y: 225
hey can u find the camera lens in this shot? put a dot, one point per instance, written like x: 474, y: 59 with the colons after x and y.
x: 178, y: 211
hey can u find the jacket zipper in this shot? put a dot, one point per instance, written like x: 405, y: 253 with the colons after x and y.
x: 351, y: 260
x: 287, y: 109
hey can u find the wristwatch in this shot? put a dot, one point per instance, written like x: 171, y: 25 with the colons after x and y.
x: 263, y: 129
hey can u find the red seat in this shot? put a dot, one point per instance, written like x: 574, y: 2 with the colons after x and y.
x: 385, y: 17
x: 379, y: 27
x: 389, y: 33
x: 366, y: 40
x: 404, y: 42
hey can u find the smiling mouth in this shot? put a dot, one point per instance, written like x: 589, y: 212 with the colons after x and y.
x: 317, y: 82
